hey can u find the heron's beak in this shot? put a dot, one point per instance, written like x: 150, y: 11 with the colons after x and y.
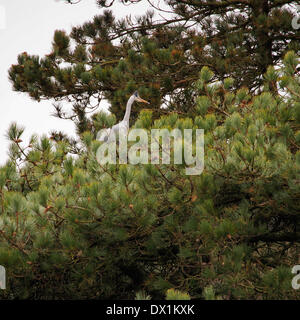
x: 142, y: 100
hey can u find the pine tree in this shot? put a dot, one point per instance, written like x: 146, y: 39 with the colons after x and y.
x: 71, y: 228
x: 109, y: 58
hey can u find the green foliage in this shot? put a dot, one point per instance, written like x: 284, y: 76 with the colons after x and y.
x: 209, y: 293
x: 203, y: 103
x: 164, y: 58
x: 71, y: 228
x: 61, y: 43
x: 141, y: 295
x: 173, y: 294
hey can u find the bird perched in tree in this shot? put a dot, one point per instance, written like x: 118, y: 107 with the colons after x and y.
x: 122, y: 127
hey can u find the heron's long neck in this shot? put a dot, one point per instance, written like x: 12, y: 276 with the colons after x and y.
x: 128, y: 109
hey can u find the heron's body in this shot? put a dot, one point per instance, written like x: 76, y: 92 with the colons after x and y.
x: 122, y: 127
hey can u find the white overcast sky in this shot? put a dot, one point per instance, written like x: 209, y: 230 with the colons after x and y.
x: 29, y: 25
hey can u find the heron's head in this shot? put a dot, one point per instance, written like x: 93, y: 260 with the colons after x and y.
x: 138, y: 98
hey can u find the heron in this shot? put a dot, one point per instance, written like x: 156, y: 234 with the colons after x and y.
x: 110, y: 134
